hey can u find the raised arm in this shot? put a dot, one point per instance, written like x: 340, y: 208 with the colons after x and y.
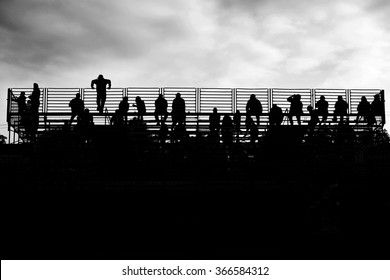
x: 109, y: 84
x: 92, y: 84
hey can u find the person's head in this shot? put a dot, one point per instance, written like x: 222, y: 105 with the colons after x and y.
x: 36, y: 86
x: 376, y: 97
x: 298, y: 96
x: 238, y: 112
x: 178, y: 94
x: 253, y: 96
x: 274, y: 106
x: 160, y: 96
x: 310, y: 108
x: 364, y: 99
x: 78, y: 95
x: 137, y: 98
x: 322, y: 98
x: 215, y: 110
x: 125, y: 98
x: 339, y: 98
x: 100, y: 77
x: 86, y: 110
x: 22, y: 93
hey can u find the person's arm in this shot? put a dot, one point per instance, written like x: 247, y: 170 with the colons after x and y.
x: 109, y: 84
x: 92, y: 83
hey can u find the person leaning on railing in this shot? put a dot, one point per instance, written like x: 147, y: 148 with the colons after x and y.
x: 101, y: 90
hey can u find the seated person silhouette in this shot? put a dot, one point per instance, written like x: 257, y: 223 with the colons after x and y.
x: 295, y: 108
x: 227, y: 130
x: 313, y: 118
x: 275, y: 115
x: 77, y: 107
x: 254, y: 107
x: 117, y: 119
x: 102, y: 85
x: 237, y: 123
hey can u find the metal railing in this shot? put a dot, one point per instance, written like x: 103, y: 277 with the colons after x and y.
x: 54, y: 102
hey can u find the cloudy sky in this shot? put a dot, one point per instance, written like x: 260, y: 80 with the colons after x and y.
x: 200, y: 43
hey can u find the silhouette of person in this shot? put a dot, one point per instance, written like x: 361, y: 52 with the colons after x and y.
x: 85, y: 124
x: 340, y: 108
x: 86, y: 119
x: 275, y: 115
x: 178, y: 110
x: 254, y: 107
x: 34, y: 109
x: 77, y: 107
x: 161, y: 107
x: 253, y: 130
x: 376, y: 108
x: 363, y: 109
x: 141, y: 109
x: 227, y: 130
x: 237, y: 123
x: 21, y: 100
x: 248, y: 123
x: 295, y: 108
x: 322, y: 108
x: 117, y: 118
x: 313, y: 118
x: 214, y: 120
x: 124, y: 108
x: 102, y: 85
x: 34, y: 97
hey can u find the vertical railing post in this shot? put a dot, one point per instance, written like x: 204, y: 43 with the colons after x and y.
x: 234, y: 100
x: 269, y: 99
x: 197, y: 99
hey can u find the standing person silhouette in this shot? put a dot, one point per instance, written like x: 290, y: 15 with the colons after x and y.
x: 35, y: 102
x: 140, y: 104
x: 254, y: 107
x: 178, y: 110
x: 161, y: 105
x: 295, y: 108
x: 124, y: 108
x: 363, y: 109
x: 77, y: 107
x: 340, y: 109
x: 322, y: 107
x: 101, y: 88
x: 21, y: 100
x: 214, y: 120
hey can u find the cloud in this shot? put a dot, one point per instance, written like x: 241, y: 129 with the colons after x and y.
x: 215, y: 43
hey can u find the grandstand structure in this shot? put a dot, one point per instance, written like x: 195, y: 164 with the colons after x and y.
x: 54, y: 108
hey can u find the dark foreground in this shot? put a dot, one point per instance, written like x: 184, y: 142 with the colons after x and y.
x: 90, y: 202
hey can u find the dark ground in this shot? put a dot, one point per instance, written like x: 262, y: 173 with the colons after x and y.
x: 89, y: 202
